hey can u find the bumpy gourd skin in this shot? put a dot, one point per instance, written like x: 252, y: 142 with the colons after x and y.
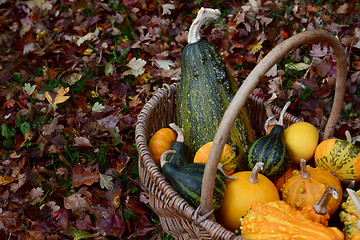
x: 277, y: 220
x: 205, y: 91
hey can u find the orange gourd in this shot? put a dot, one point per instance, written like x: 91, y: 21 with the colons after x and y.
x: 160, y: 142
x: 279, y: 182
x: 278, y: 220
x: 249, y: 187
x: 307, y: 186
x: 227, y: 158
x: 319, y: 212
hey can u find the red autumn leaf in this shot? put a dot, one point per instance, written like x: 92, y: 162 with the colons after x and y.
x: 113, y: 225
x: 81, y: 176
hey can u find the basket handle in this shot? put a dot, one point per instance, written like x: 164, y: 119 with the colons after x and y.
x: 249, y: 85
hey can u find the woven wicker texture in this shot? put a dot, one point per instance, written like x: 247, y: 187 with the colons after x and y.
x: 176, y: 215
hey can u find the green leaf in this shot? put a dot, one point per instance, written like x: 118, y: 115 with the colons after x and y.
x: 109, y: 69
x: 6, y: 132
x: 106, y: 181
x: 81, y: 234
x: 25, y: 127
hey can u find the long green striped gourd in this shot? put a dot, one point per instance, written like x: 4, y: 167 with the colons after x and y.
x: 205, y: 91
x: 271, y: 150
x: 187, y: 181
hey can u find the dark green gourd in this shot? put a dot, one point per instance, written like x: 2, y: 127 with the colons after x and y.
x: 271, y: 150
x: 205, y: 91
x: 181, y: 157
x: 187, y: 181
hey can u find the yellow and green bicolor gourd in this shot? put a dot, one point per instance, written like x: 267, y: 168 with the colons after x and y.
x: 205, y: 91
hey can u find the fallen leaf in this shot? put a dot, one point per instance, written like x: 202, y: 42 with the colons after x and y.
x: 77, y: 235
x: 113, y: 225
x: 164, y: 64
x: 5, y: 180
x: 36, y: 194
x: 106, y: 182
x: 60, y: 96
x: 297, y: 66
x: 136, y: 66
x: 76, y: 203
x: 74, y: 78
x: 167, y: 8
x: 255, y: 46
x: 82, y: 142
x: 28, y: 88
x: 81, y: 176
x: 98, y: 107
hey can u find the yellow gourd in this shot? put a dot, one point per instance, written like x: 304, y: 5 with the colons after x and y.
x: 227, y: 158
x: 240, y: 194
x: 301, y: 139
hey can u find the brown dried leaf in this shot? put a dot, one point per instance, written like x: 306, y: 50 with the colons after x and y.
x: 80, y: 177
x: 82, y: 142
x: 76, y: 203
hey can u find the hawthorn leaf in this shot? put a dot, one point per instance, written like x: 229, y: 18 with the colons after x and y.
x: 98, y: 107
x: 76, y: 203
x: 28, y: 88
x: 106, y: 182
x: 136, y: 66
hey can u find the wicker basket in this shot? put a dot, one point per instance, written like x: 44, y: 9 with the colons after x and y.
x: 176, y: 215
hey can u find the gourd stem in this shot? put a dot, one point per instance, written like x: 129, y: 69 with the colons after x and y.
x: 282, y: 113
x: 267, y: 123
x: 304, y: 172
x: 320, y: 206
x: 221, y: 169
x: 269, y: 113
x: 356, y: 201
x: 250, y: 83
x: 164, y: 156
x: 204, y: 14
x: 180, y: 135
x: 254, y: 176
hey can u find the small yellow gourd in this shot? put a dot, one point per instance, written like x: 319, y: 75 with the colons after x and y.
x: 301, y: 139
x: 240, y: 194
